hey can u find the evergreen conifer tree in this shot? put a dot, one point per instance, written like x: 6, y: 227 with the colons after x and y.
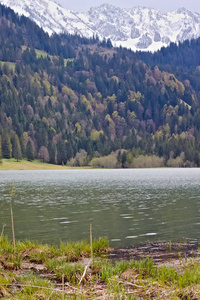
x: 0, y: 149
x: 23, y: 149
x: 119, y: 157
x: 52, y: 153
x: 17, y: 153
x: 6, y: 145
x: 123, y: 159
x: 29, y: 151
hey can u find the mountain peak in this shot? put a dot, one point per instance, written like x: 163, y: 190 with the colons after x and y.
x: 182, y: 10
x: 107, y: 5
x: 138, y: 28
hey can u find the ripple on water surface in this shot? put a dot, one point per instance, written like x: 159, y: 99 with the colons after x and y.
x: 125, y: 205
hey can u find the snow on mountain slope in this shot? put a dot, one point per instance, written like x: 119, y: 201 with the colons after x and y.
x: 50, y: 16
x: 144, y: 28
x: 136, y: 28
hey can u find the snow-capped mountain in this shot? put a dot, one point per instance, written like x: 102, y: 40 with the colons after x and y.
x: 136, y: 28
x: 144, y: 28
x: 52, y: 17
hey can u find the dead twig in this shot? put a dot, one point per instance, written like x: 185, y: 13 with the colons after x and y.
x: 130, y: 284
x: 85, y: 271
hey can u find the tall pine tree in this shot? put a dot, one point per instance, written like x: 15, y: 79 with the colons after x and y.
x: 6, y: 145
x: 0, y: 149
x: 17, y: 153
x: 29, y: 152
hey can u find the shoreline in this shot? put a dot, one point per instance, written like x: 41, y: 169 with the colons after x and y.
x: 149, y: 271
x: 13, y: 165
x: 160, y: 252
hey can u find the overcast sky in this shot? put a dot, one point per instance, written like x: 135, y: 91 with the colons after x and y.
x: 164, y: 5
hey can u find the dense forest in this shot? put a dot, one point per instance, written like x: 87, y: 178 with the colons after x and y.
x: 182, y: 59
x: 71, y: 100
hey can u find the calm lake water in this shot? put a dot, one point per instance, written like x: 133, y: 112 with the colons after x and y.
x: 128, y: 206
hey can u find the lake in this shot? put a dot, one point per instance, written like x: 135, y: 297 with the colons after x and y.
x: 128, y: 206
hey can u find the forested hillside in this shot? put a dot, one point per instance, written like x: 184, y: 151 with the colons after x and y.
x: 69, y: 100
x: 182, y: 59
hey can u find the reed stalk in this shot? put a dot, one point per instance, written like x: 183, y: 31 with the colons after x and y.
x: 2, y: 232
x: 91, y: 244
x: 63, y: 286
x: 11, y: 193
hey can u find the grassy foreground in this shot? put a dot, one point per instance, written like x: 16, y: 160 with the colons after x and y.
x: 33, y: 271
x: 12, y: 164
